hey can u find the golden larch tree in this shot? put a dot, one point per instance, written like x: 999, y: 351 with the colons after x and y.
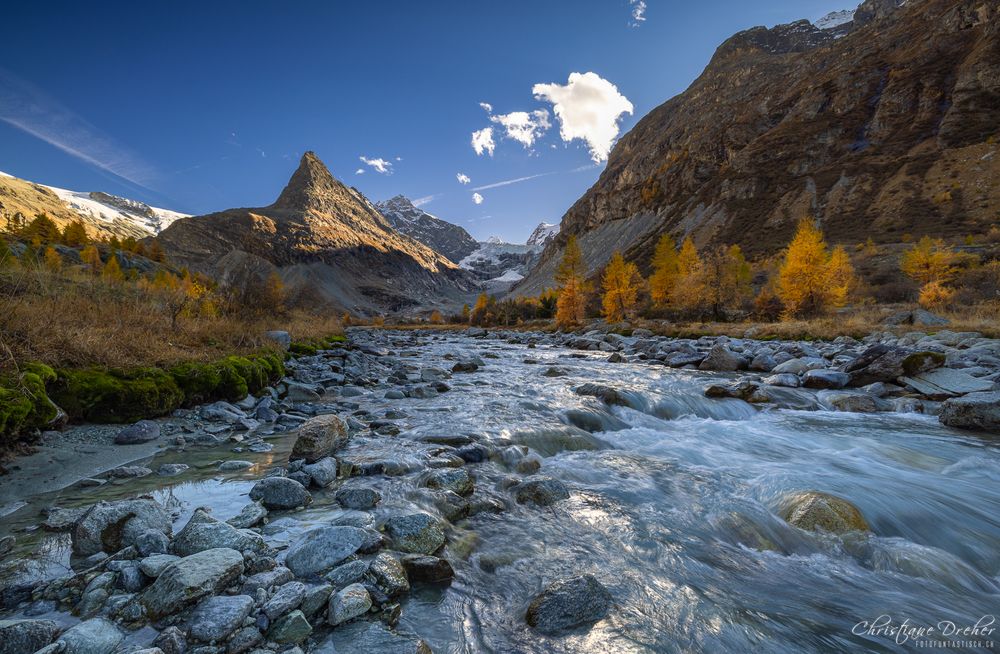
x: 929, y: 260
x: 113, y: 270
x: 570, y: 276
x: 621, y: 282
x: 92, y: 258
x: 689, y: 291
x: 804, y: 284
x: 665, y: 271
x: 725, y: 281
x: 842, y: 279
x: 52, y: 259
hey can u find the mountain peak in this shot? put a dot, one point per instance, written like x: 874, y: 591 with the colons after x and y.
x: 309, y: 184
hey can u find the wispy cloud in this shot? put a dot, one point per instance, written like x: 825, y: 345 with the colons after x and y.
x: 28, y: 108
x: 638, y: 12
x: 462, y: 178
x: 419, y: 202
x: 380, y: 166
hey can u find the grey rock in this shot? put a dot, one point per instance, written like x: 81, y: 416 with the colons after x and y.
x: 720, y: 358
x: 946, y: 382
x: 57, y: 519
x: 234, y: 465
x: 389, y: 575
x: 265, y: 580
x: 883, y: 363
x: 457, y: 480
x: 250, y: 515
x: 129, y: 472
x: 319, y: 437
x: 315, y: 598
x: 203, y: 532
x: 244, y: 640
x: 417, y: 533
x: 171, y: 469
x: 299, y: 392
x: 287, y: 598
x: 430, y: 569
x: 359, y: 498
x: 785, y: 379
x: 292, y: 628
x: 853, y: 402
x: 110, y: 526
x: 347, y: 604
x: 152, y: 566
x: 818, y: 378
x: 215, y: 618
x: 191, y: 578
x: 980, y: 411
x: 542, y: 491
x: 280, y: 493
x: 763, y: 362
x: 348, y: 573
x: 140, y: 432
x: 221, y: 412
x: 373, y: 638
x: 171, y: 640
x: 800, y: 366
x: 20, y: 636
x: 322, y: 548
x: 323, y: 472
x: 569, y: 603
x: 282, y: 338
x: 95, y: 636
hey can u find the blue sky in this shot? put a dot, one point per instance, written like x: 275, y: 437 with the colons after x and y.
x: 203, y: 106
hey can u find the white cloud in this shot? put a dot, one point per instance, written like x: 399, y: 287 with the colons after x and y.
x: 524, y: 127
x: 419, y: 202
x: 478, y: 199
x: 29, y: 109
x: 359, y: 171
x: 482, y: 141
x: 587, y: 108
x: 638, y: 12
x: 378, y: 165
x: 487, y: 107
x: 462, y: 178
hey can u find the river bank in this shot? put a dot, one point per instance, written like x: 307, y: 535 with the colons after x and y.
x: 514, y: 491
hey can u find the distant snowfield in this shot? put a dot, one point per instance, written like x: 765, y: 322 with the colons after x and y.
x: 509, y: 276
x: 835, y: 19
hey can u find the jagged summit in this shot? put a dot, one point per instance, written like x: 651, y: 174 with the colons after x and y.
x: 441, y: 236
x: 311, y: 185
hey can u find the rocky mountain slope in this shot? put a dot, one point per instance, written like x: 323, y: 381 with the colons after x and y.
x: 881, y: 126
x: 439, y: 235
x: 103, y: 214
x: 321, y: 237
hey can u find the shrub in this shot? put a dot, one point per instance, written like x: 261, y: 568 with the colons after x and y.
x: 116, y: 396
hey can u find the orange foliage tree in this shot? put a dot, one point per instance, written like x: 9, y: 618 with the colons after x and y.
x: 621, y: 282
x: 570, y: 276
x: 665, y: 271
x: 811, y: 279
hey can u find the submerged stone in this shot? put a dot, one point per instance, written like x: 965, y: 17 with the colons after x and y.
x: 569, y: 603
x: 816, y: 511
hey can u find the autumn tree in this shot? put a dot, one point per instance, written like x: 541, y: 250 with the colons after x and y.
x: 92, y: 258
x: 724, y: 282
x: 436, y: 317
x: 75, y: 234
x: 547, y: 301
x: 484, y: 312
x: 466, y: 313
x: 570, y: 276
x: 931, y: 264
x: 156, y: 252
x: 52, y: 260
x: 621, y: 282
x: 41, y: 229
x: 113, y: 270
x: 666, y: 270
x: 689, y: 290
x: 810, y: 278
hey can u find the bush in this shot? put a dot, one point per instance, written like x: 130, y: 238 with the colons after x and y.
x: 116, y: 396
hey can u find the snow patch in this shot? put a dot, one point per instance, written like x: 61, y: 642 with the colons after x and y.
x: 835, y: 19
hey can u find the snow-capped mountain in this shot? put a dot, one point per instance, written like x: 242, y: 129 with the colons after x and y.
x: 835, y: 19
x: 441, y: 236
x: 102, y: 213
x: 542, y: 234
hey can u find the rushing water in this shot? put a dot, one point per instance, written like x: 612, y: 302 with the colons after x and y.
x: 672, y: 509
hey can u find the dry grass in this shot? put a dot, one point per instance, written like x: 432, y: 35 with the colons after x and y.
x: 75, y: 320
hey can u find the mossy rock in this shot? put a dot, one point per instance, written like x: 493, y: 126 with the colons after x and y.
x: 303, y: 349
x: 198, y: 381
x: 115, y: 396
x: 231, y: 378
x: 919, y: 362
x: 816, y: 511
x: 24, y: 403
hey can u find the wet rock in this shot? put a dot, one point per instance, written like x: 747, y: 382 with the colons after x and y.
x: 322, y: 548
x: 852, y: 402
x: 244, y: 640
x: 95, y: 636
x: 373, y: 638
x: 346, y: 574
x: 785, y: 379
x: 816, y: 511
x: 171, y: 640
x: 884, y: 363
x: 569, y: 603
x: 428, y: 569
x: 323, y: 472
x: 140, y: 432
x: 554, y: 371
x: 743, y: 389
x: 608, y: 395
x: 973, y: 411
x: 319, y: 437
x: 129, y: 472
x: 389, y: 575
x: 203, y: 532
x: 394, y: 395
x: 292, y: 628
x: 57, y: 519
x: 217, y: 617
x: 458, y: 481
x: 265, y: 580
x: 280, y: 493
x: 358, y: 498
x: 221, y: 412
x: 721, y: 359
x: 314, y: 599
x: 299, y: 392
x: 465, y: 366
x: 22, y: 636
x: 818, y: 378
x: 451, y: 505
x: 191, y: 578
x: 542, y: 491
x: 347, y: 604
x: 800, y: 365
x: 763, y: 362
x: 152, y: 566
x: 287, y: 598
x: 110, y: 526
x: 417, y: 533
x: 234, y: 465
x: 171, y: 469
x: 250, y: 515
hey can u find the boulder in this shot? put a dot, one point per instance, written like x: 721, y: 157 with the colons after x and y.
x: 292, y: 628
x: 816, y: 511
x: 287, y: 598
x: 372, y: 638
x: 140, y: 432
x: 569, y: 603
x: 916, y: 317
x: 946, y: 382
x: 428, y: 569
x: 152, y: 566
x: 347, y: 604
x: 819, y: 378
x: 852, y: 402
x: 323, y: 472
x: 110, y: 526
x: 416, y: 533
x: 280, y: 493
x: 189, y: 579
x: 720, y: 358
x: 282, y: 338
x: 203, y: 532
x: 322, y: 548
x: 884, y: 363
x: 609, y: 395
x: 250, y: 515
x: 785, y: 379
x: 456, y: 480
x: 18, y: 636
x: 541, y: 491
x: 799, y: 366
x: 389, y: 575
x: 216, y: 617
x: 319, y: 437
x: 358, y: 498
x: 979, y: 411
x: 95, y: 636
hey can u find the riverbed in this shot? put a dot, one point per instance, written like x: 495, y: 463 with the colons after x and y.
x: 672, y: 507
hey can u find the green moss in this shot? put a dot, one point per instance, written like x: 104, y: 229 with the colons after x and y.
x: 24, y: 403
x: 920, y: 361
x: 198, y: 381
x: 99, y: 395
x: 303, y: 349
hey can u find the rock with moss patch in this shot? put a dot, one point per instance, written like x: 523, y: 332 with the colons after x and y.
x: 816, y: 511
x: 884, y: 363
x: 319, y: 437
